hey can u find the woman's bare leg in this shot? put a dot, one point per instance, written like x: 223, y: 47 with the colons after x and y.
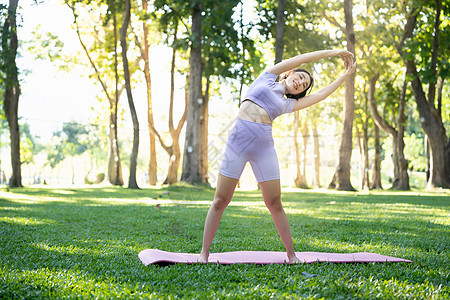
x: 271, y: 191
x: 224, y: 191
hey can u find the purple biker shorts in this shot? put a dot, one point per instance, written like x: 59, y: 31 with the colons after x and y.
x: 250, y: 142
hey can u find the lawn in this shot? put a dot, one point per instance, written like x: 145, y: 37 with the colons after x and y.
x: 83, y: 243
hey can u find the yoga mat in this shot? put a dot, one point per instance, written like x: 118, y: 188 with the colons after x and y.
x: 154, y: 256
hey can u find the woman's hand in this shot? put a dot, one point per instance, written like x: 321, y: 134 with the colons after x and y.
x: 347, y: 57
x: 350, y: 68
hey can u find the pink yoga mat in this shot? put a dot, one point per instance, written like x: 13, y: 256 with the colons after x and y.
x: 154, y: 256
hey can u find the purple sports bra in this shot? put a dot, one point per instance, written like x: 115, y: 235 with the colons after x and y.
x: 269, y: 94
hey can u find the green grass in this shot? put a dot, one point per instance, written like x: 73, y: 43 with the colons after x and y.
x: 83, y: 243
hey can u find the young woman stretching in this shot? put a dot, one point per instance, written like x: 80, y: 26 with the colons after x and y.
x: 251, y: 138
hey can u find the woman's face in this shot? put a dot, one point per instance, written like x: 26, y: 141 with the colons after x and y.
x: 297, y: 82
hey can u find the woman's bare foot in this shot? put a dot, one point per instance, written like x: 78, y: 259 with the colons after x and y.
x: 203, y: 259
x: 294, y: 260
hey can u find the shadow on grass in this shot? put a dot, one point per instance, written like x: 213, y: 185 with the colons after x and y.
x: 437, y: 199
x: 176, y: 192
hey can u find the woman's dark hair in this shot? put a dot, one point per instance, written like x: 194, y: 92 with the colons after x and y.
x: 302, y: 94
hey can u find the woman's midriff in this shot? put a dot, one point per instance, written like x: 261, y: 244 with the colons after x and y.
x: 251, y: 111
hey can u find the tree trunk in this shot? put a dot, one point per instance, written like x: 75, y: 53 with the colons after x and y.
x: 115, y: 165
x: 204, y: 135
x: 427, y: 157
x: 366, y: 183
x: 376, y: 169
x: 174, y: 151
x: 316, y: 180
x: 191, y: 157
x: 279, y: 36
x: 132, y: 182
x: 153, y: 165
x: 299, y: 180
x: 403, y: 177
x: 341, y: 178
x: 439, y: 95
x: 174, y: 164
x: 362, y: 159
x: 12, y: 90
x: 431, y: 120
x: 305, y: 137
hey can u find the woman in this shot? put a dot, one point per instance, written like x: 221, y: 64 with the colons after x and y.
x: 251, y: 139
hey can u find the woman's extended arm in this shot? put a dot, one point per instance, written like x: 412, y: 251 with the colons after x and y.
x: 326, y: 91
x: 294, y: 62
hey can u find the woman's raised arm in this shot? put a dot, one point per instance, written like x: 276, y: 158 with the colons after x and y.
x: 326, y: 91
x: 294, y: 62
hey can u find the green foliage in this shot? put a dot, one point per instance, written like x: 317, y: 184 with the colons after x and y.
x: 67, y: 243
x: 419, y: 48
x: 73, y: 140
x: 3, y: 15
x: 303, y: 30
x: 28, y: 144
x: 71, y: 136
x: 414, y: 152
x: 220, y: 40
x: 8, y: 67
x: 45, y: 45
x: 54, y: 156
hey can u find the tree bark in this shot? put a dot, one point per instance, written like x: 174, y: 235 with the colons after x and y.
x: 341, y: 178
x: 362, y: 159
x: 115, y: 165
x: 366, y: 183
x: 204, y: 135
x: 305, y: 137
x: 132, y: 182
x: 153, y: 165
x: 403, y: 177
x: 316, y: 180
x: 12, y: 90
x: 279, y: 35
x: 376, y: 168
x: 426, y: 144
x: 191, y: 157
x: 299, y: 180
x: 431, y: 121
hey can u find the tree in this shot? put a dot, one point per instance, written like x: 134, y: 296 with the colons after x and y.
x: 341, y: 178
x: 191, y: 157
x: 376, y: 167
x: 300, y: 178
x: 170, y: 16
x: 103, y: 57
x: 315, y: 134
x: 132, y: 183
x: 144, y: 47
x: 11, y: 89
x: 173, y: 151
x: 401, y: 177
x: 431, y: 118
